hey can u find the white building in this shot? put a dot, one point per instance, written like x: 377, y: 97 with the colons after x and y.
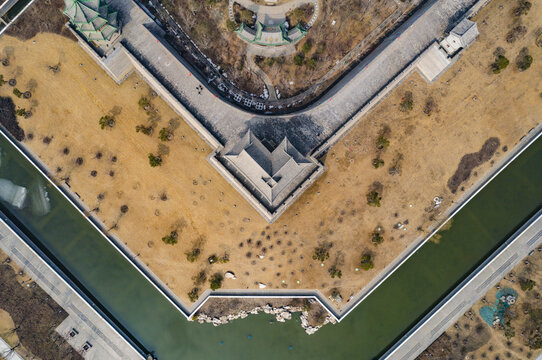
x: 460, y: 37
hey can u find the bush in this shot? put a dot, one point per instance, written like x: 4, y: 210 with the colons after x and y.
x: 378, y: 163
x: 524, y: 60
x: 144, y: 103
x: 334, y: 271
x: 501, y: 62
x: 269, y: 61
x: 526, y: 284
x: 367, y: 262
x: 171, y: 239
x: 311, y: 63
x: 382, y: 143
x: 321, y: 252
x: 373, y: 198
x: 17, y: 92
x: 407, y: 102
x: 523, y: 8
x: 246, y: 16
x: 298, y: 59
x: 2, y: 81
x: 509, y: 331
x: 147, y: 130
x: 212, y: 259
x: 193, y: 255
x: 20, y: 112
x: 231, y: 25
x: 154, y: 160
x: 193, y: 294
x: 216, y: 281
x: 165, y: 134
x: 200, y: 278
x: 377, y: 238
x: 307, y: 46
x: 106, y: 120
x: 430, y: 105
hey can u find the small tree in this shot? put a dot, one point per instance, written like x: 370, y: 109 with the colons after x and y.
x: 246, y: 16
x: 298, y: 59
x: 321, y: 252
x: 20, y: 112
x: 526, y: 284
x: 200, y: 278
x: 147, y: 130
x: 165, y: 134
x: 373, y: 198
x: 106, y: 120
x: 377, y: 238
x: 154, y: 160
x: 382, y: 143
x: 144, y: 103
x: 2, y: 81
x: 171, y: 239
x: 334, y: 271
x: 311, y: 63
x: 193, y: 255
x: 377, y: 162
x: 524, y: 60
x: 367, y: 262
x: 216, y: 281
x: 307, y: 46
x: 193, y: 294
x: 501, y: 62
x: 523, y: 8
x: 231, y: 25
x: 407, y: 102
x: 17, y: 92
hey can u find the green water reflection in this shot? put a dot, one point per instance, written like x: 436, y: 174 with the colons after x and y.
x: 385, y: 315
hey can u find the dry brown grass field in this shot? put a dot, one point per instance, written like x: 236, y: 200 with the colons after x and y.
x: 187, y: 195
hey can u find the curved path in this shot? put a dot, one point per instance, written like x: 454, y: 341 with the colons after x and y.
x: 310, y: 127
x: 272, y: 95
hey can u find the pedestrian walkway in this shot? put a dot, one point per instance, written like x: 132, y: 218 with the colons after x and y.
x: 105, y: 341
x: 525, y: 240
x: 7, y: 352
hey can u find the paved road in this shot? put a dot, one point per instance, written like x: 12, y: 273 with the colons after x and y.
x: 528, y: 238
x: 106, y: 342
x: 7, y: 353
x: 308, y: 128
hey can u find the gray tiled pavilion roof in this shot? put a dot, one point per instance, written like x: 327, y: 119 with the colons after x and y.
x: 92, y: 18
x: 270, y: 172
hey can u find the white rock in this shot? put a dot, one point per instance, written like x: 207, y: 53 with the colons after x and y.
x: 262, y: 285
x: 229, y: 275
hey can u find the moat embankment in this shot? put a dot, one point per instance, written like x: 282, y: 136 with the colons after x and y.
x: 389, y: 311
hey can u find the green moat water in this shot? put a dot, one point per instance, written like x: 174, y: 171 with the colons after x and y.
x: 479, y: 228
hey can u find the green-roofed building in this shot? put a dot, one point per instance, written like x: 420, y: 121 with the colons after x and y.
x: 270, y: 35
x: 92, y: 18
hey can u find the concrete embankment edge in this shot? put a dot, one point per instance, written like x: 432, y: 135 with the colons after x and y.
x: 479, y: 282
x: 61, y: 288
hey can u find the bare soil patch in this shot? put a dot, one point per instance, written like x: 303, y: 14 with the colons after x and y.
x: 206, y: 26
x: 42, y: 16
x: 8, y: 118
x: 470, y: 161
x: 35, y: 316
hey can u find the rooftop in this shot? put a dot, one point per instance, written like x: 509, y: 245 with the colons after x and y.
x: 270, y: 172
